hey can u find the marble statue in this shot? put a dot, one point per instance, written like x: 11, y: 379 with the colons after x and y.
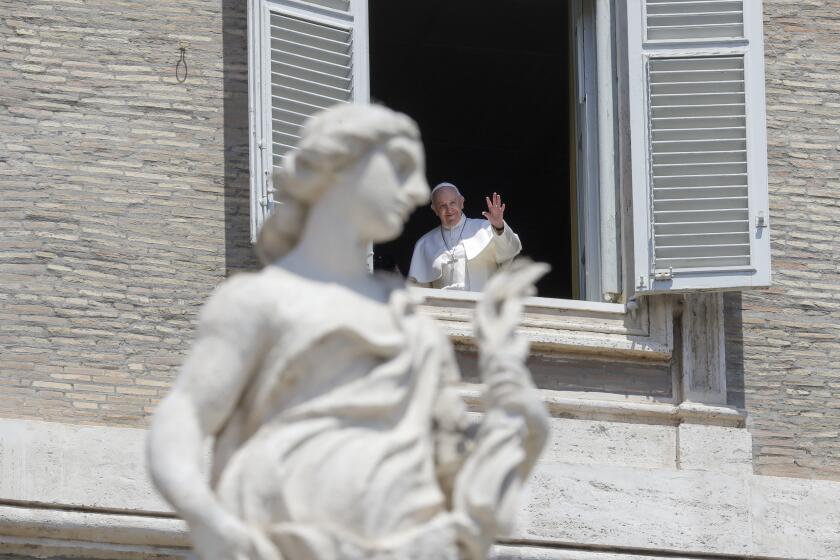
x: 332, y: 407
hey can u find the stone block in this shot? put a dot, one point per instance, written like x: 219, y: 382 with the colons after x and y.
x: 715, y: 449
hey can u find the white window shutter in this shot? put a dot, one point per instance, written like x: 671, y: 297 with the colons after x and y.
x: 698, y: 142
x: 304, y: 56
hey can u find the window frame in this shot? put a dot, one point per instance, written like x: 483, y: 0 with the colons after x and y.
x: 626, y: 327
x: 356, y: 18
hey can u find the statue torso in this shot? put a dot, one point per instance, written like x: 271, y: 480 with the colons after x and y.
x: 336, y: 423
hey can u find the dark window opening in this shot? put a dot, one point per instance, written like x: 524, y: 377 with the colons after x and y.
x: 488, y: 83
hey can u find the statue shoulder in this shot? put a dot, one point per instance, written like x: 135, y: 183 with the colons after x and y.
x: 247, y: 298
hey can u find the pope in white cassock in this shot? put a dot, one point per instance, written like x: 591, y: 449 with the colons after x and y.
x: 462, y: 253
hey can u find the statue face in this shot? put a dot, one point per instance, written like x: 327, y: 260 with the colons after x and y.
x: 448, y: 205
x: 391, y: 184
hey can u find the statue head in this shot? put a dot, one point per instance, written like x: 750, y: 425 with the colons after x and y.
x: 370, y: 154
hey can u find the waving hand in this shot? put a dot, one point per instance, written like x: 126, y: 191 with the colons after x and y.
x: 495, y: 211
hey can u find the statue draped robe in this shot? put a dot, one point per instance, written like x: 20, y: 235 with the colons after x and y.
x: 351, y: 441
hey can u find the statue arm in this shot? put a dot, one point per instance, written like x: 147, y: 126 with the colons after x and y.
x: 210, y: 383
x: 515, y: 424
x: 454, y: 429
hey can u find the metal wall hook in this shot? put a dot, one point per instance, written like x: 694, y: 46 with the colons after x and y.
x: 182, y: 61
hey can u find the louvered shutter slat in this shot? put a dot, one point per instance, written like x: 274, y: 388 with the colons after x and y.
x: 698, y: 122
x: 699, y: 192
x: 699, y: 169
x: 676, y: 157
x: 702, y: 63
x: 666, y: 146
x: 707, y: 135
x: 679, y: 239
x: 340, y: 5
x: 723, y: 202
x: 692, y: 6
x: 280, y: 22
x: 304, y: 95
x: 282, y: 71
x: 289, y: 139
x: 694, y: 111
x: 317, y: 88
x: 324, y: 61
x: 708, y: 180
x: 288, y: 119
x: 335, y: 43
x: 313, y: 64
x: 726, y: 252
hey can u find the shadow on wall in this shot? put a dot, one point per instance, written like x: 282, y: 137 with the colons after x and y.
x: 239, y: 253
x: 734, y: 329
x: 585, y: 375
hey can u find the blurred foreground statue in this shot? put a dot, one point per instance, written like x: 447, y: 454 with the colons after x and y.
x: 338, y: 432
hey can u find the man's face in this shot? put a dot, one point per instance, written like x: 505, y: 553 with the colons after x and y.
x: 448, y: 205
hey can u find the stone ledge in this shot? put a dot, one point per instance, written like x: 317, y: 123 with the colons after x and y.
x: 526, y: 551
x: 47, y: 532
x: 555, y: 326
x: 560, y: 405
x: 26, y: 521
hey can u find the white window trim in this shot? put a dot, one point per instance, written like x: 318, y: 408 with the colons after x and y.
x: 596, y: 49
x: 590, y: 196
x: 608, y: 164
x: 587, y: 149
x: 593, y: 48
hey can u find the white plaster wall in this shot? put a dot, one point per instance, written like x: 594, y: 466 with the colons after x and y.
x: 81, y: 466
x: 603, y: 490
x: 588, y: 442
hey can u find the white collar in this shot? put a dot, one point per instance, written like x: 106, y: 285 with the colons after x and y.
x: 456, y: 226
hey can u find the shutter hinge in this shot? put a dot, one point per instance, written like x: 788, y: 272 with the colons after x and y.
x: 761, y: 220
x: 663, y: 274
x: 641, y: 284
x: 268, y: 199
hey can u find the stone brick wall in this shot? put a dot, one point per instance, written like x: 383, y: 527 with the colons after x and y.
x: 124, y: 196
x: 125, y: 202
x: 789, y: 350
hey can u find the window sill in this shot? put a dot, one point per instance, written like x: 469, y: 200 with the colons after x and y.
x: 561, y: 404
x: 566, y: 326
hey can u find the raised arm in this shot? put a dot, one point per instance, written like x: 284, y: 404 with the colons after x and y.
x: 220, y: 365
x: 506, y: 241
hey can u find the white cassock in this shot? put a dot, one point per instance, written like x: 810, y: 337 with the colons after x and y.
x: 462, y: 257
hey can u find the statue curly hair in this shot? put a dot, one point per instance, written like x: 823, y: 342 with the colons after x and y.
x: 332, y: 140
